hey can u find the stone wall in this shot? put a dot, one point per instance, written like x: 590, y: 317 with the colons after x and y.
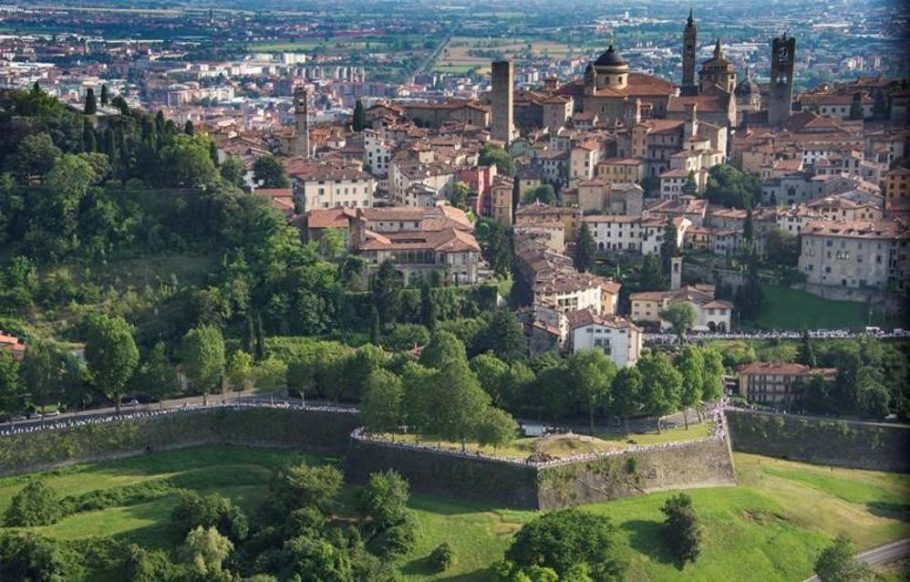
x: 313, y: 430
x: 442, y: 473
x: 828, y: 442
x: 702, y: 463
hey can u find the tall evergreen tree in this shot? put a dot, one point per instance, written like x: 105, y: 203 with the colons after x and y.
x: 188, y: 128
x: 805, y: 353
x: 360, y: 116
x: 668, y: 247
x: 91, y: 107
x: 89, y: 142
x: 105, y: 96
x: 585, y: 249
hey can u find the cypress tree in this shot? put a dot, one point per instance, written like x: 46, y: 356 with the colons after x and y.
x: 188, y: 128
x: 89, y: 142
x: 360, y: 116
x: 260, y: 341
x: 105, y: 97
x: 91, y: 107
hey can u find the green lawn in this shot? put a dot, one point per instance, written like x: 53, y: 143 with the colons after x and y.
x: 785, y: 308
x: 770, y: 527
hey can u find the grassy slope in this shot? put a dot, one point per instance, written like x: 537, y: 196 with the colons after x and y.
x: 769, y: 528
x: 785, y: 308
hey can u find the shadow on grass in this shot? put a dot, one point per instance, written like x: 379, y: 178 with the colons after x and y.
x: 447, y: 505
x: 422, y: 567
x: 899, y: 511
x: 647, y: 537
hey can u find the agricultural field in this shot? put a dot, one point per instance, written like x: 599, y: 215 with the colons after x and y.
x: 770, y: 527
x: 462, y: 54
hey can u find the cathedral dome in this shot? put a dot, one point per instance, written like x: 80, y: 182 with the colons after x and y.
x: 610, y: 58
x: 747, y: 87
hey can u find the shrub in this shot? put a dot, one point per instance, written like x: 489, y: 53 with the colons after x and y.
x: 681, y: 528
x: 208, y: 511
x: 442, y: 557
x: 36, y: 504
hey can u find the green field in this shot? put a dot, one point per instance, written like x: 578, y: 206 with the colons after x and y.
x: 785, y: 308
x: 768, y: 528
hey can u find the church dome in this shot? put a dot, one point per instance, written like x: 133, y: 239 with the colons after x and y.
x: 610, y: 58
x: 747, y: 87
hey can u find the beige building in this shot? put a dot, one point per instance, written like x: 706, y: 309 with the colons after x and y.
x: 331, y: 186
x: 710, y: 314
x: 501, y: 194
x: 897, y: 185
x: 861, y: 254
x: 777, y: 383
x: 540, y: 212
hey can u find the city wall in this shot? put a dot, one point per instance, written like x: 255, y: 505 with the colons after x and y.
x: 827, y: 442
x: 312, y: 430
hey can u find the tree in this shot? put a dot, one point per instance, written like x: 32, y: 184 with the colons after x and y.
x: 189, y: 162
x: 493, y: 155
x: 626, y: 393
x: 749, y: 297
x: 157, y: 378
x: 503, y: 336
x: 302, y: 485
x: 268, y: 172
x: 89, y: 141
x: 495, y: 246
x: 783, y: 247
x: 459, y: 401
x: 232, y: 171
x: 36, y: 504
x: 29, y: 556
x: 444, y: 349
x: 380, y: 407
x: 383, y: 284
x: 690, y: 188
x: 748, y: 231
x: 188, y: 128
x: 591, y: 373
x: 714, y: 375
x: 583, y: 259
x: 661, y: 384
x: 651, y: 277
x: 91, y: 107
x: 360, y: 116
x: 111, y: 355
x: 442, y: 557
x: 11, y: 393
x: 681, y: 528
x: 194, y: 510
x: 105, y: 95
x: 543, y: 193
x: 691, y: 364
x: 805, y: 352
x: 680, y: 316
x: 837, y: 563
x: 730, y: 187
x: 496, y: 427
x: 205, y: 550
x: 563, y: 539
x: 856, y: 107
x: 669, y: 246
x: 428, y: 310
x: 491, y: 372
x: 202, y: 353
x: 240, y: 370
x: 35, y: 156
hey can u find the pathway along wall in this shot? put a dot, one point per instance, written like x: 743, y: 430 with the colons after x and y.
x: 702, y: 463
x: 828, y: 442
x: 312, y: 430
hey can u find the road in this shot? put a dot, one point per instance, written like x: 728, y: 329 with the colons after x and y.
x: 881, y: 555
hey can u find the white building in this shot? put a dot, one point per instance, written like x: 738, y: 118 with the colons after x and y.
x: 331, y: 187
x: 616, y: 336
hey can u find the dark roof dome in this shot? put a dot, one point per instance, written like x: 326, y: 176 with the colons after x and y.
x: 747, y: 86
x: 610, y: 58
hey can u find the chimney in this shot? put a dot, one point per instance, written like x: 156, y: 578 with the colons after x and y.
x: 550, y: 84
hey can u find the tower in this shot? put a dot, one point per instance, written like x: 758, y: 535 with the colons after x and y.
x: 717, y: 72
x: 690, y: 39
x: 301, y: 145
x: 501, y: 101
x: 675, y: 273
x: 783, y: 57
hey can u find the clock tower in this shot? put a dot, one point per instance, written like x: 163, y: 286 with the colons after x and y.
x: 690, y: 35
x: 780, y: 102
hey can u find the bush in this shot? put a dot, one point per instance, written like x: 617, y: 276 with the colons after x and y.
x: 681, y: 528
x: 442, y: 557
x: 208, y: 511
x: 36, y: 504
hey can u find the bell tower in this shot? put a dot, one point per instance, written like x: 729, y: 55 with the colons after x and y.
x: 780, y: 102
x: 301, y: 143
x: 690, y: 40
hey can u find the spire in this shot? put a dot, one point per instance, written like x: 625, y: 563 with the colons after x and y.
x: 718, y: 52
x: 690, y: 21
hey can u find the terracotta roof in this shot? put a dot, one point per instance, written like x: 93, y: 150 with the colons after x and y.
x: 587, y: 317
x: 329, y: 218
x: 444, y: 241
x: 878, y: 229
